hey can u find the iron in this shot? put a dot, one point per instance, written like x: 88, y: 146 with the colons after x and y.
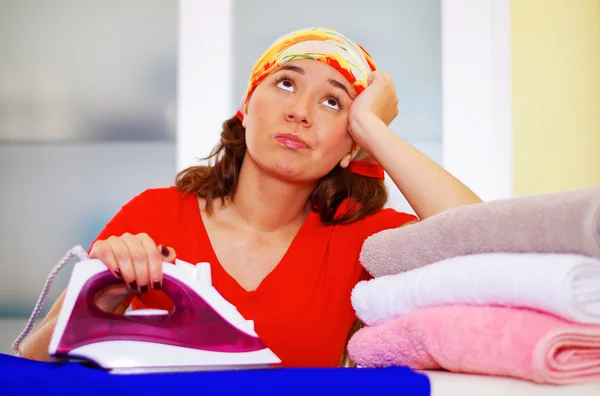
x: 202, y: 332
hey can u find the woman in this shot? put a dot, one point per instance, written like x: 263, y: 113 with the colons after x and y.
x: 282, y: 213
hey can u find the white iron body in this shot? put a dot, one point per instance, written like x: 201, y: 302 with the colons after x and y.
x: 203, y: 332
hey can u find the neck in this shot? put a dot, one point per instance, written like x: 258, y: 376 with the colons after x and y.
x: 266, y: 203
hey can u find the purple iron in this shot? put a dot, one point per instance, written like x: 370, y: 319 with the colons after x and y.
x: 203, y: 332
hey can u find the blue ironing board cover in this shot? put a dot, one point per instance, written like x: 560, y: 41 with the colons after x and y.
x: 19, y: 376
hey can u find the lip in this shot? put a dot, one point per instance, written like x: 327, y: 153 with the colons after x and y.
x: 291, y: 141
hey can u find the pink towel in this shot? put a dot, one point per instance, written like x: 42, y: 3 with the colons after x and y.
x: 559, y: 222
x: 499, y: 341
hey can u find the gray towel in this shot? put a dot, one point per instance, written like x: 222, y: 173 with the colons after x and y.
x: 559, y: 222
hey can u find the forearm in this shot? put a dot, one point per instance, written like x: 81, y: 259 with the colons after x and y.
x: 427, y: 187
x: 35, y: 345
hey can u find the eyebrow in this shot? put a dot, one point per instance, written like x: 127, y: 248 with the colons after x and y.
x: 339, y: 85
x: 331, y: 81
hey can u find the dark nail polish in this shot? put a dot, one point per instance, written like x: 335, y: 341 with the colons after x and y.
x: 156, y: 285
x: 164, y: 251
x: 133, y: 285
x: 144, y: 288
x: 118, y: 273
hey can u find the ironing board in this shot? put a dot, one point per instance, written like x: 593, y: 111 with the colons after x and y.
x: 20, y: 376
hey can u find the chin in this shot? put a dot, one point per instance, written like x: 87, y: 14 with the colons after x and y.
x: 287, y: 170
x: 286, y: 165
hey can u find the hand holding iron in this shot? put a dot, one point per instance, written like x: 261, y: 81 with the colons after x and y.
x: 134, y: 258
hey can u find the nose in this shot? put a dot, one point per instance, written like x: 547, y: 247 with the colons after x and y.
x: 300, y: 112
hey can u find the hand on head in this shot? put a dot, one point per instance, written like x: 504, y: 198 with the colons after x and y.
x: 379, y: 100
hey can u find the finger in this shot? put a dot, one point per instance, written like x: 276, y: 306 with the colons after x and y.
x: 102, y: 251
x: 374, y: 76
x: 168, y: 254
x: 139, y: 257
x: 111, y: 297
x: 122, y: 251
x: 154, y: 279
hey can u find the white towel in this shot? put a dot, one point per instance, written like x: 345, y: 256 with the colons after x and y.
x: 566, y: 285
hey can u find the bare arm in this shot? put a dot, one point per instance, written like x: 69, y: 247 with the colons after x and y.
x: 427, y: 187
x: 35, y: 346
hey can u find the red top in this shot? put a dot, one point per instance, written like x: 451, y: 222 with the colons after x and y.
x: 302, y: 309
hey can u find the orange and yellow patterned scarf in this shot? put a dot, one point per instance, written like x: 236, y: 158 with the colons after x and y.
x: 324, y: 45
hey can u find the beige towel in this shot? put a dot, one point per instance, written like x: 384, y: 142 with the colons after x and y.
x: 559, y: 222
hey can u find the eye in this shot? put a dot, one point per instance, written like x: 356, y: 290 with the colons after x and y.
x: 334, y: 102
x: 285, y: 83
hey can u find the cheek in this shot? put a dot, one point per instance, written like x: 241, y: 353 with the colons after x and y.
x: 338, y: 138
x: 258, y: 102
x: 255, y: 120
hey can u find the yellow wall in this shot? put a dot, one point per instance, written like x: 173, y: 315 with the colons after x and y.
x: 556, y: 94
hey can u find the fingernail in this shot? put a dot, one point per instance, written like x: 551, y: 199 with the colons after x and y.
x: 156, y: 285
x: 118, y: 273
x: 133, y: 285
x: 144, y: 288
x: 164, y: 251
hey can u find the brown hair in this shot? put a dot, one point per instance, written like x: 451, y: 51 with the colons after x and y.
x: 367, y: 195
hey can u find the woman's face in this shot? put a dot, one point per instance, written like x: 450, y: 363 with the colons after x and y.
x: 297, y: 121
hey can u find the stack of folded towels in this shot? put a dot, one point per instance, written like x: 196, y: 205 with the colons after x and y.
x: 507, y: 288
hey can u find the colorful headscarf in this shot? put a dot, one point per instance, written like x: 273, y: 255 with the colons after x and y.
x: 324, y: 45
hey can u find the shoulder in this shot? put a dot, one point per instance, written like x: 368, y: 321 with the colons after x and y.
x: 158, y: 202
x: 383, y: 219
x: 391, y: 216
x: 170, y: 192
x: 155, y: 211
x: 159, y: 196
